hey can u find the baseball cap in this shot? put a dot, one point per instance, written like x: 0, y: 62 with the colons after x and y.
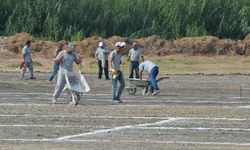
x: 72, y: 47
x: 100, y: 44
x: 120, y: 44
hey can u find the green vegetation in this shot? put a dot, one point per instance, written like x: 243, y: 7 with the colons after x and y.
x: 35, y: 63
x: 13, y: 65
x: 77, y: 19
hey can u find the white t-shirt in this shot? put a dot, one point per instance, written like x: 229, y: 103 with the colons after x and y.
x: 135, y: 54
x: 26, y: 53
x: 147, y: 66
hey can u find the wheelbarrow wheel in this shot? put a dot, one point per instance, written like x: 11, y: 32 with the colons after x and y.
x: 131, y: 90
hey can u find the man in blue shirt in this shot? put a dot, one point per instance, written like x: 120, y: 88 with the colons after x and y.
x: 56, y: 65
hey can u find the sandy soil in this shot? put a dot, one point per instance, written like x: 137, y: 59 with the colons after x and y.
x: 191, y: 112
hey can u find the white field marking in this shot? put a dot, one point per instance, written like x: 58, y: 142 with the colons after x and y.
x: 198, y: 129
x: 6, y: 93
x: 44, y: 126
x: 121, y: 117
x: 24, y: 98
x: 163, y: 142
x: 247, y: 107
x: 29, y: 140
x: 192, y: 102
x: 50, y: 94
x: 239, y: 97
x: 40, y: 98
x: 115, y: 129
x: 28, y: 104
x: 150, y: 101
x: 123, y: 141
x: 143, y: 128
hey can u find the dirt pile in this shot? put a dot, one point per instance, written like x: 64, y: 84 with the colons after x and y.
x: 15, y: 44
x: 152, y: 45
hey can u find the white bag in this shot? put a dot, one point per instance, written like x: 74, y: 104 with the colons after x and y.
x: 76, y: 82
x: 84, y: 83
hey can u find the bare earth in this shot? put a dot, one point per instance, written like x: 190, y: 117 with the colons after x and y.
x: 191, y: 112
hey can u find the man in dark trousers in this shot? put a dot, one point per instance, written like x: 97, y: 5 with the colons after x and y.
x: 102, y: 59
x: 134, y: 56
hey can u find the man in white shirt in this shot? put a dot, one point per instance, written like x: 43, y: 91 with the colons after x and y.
x: 152, y: 70
x: 134, y: 56
x: 101, y: 55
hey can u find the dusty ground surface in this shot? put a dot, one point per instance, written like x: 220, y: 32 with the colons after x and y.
x: 191, y: 112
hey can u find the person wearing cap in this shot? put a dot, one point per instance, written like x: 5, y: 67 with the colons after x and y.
x: 152, y: 70
x: 101, y: 55
x: 114, y: 63
x: 65, y: 58
x: 134, y: 56
x: 56, y: 65
x: 27, y: 61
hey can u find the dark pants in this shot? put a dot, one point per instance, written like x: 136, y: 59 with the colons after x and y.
x: 100, y: 68
x: 54, y: 72
x: 134, y: 65
x: 153, y: 83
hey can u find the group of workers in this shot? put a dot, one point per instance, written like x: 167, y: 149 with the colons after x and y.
x: 64, y: 59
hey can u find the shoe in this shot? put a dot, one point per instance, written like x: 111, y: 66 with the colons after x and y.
x: 154, y: 93
x: 71, y: 103
x: 53, y: 101
x: 158, y: 91
x: 114, y: 102
x: 32, y: 78
x: 118, y: 100
x: 107, y: 78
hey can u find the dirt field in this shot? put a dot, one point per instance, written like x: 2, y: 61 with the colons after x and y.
x: 191, y: 112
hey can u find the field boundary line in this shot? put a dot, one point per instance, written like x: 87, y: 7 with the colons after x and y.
x: 115, y: 129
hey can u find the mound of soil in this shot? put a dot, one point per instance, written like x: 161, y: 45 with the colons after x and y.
x: 152, y: 45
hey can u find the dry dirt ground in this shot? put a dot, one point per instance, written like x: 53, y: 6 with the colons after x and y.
x: 191, y: 112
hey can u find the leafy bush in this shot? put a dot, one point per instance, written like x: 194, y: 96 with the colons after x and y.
x: 77, y: 19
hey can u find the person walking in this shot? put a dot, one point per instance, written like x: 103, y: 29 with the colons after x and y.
x: 152, y: 70
x: 134, y: 56
x: 27, y: 61
x: 101, y: 55
x: 65, y: 58
x: 56, y: 65
x: 114, y: 62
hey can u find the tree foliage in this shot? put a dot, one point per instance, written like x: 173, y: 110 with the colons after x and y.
x: 77, y: 19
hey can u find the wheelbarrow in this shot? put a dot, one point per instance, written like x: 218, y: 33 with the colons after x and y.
x: 143, y: 84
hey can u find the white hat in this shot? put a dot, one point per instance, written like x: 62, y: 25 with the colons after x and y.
x: 100, y: 44
x: 120, y: 44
